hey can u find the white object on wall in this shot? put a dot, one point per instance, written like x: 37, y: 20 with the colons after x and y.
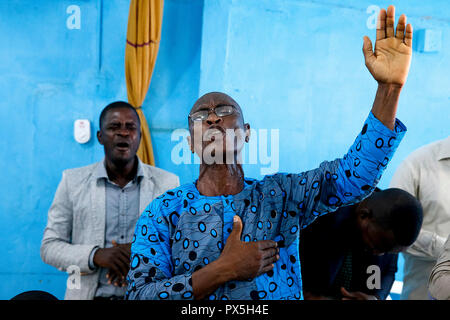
x: 82, y: 130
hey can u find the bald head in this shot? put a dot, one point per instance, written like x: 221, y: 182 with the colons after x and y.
x: 213, y: 99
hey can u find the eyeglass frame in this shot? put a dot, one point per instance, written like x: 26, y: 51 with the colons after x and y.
x: 235, y: 110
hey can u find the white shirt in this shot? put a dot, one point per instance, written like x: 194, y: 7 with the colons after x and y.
x: 425, y: 173
x: 439, y: 283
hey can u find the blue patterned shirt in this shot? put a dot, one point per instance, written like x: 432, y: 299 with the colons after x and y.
x: 182, y: 230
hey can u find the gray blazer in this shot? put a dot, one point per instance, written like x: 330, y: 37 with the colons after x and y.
x: 76, y: 222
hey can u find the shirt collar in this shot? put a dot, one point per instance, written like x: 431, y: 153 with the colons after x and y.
x: 444, y: 150
x: 101, y: 170
x: 247, y: 183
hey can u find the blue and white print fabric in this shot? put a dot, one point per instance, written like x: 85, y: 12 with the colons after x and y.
x: 182, y: 231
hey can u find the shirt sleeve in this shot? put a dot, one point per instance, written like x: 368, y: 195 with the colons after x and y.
x: 346, y: 180
x: 57, y: 248
x: 387, y: 277
x: 92, y: 265
x: 439, y: 281
x: 406, y: 177
x: 151, y: 268
x: 427, y: 246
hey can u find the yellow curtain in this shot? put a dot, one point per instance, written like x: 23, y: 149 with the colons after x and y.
x: 143, y: 35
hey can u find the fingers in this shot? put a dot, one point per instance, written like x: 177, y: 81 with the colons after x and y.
x: 385, y: 26
x: 381, y: 25
x: 119, y: 268
x: 116, y: 279
x: 265, y: 269
x: 113, y: 273
x: 401, y: 26
x: 125, y: 246
x: 123, y: 262
x: 111, y: 276
x: 267, y: 244
x: 237, y: 228
x: 369, y: 56
x: 269, y: 253
x: 409, y: 35
x: 347, y: 294
x: 271, y: 260
x: 390, y: 20
x: 119, y: 261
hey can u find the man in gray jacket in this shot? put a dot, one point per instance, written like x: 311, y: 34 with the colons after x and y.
x: 93, y: 215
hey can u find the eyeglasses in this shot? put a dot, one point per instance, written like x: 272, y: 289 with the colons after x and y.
x: 220, y: 111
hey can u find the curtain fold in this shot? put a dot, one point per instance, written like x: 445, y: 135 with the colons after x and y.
x: 141, y: 50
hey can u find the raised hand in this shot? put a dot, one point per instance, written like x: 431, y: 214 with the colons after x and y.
x: 389, y: 63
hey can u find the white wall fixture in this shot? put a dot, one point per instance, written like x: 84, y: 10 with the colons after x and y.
x: 82, y: 130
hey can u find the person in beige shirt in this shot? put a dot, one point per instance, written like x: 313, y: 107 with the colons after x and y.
x: 439, y: 282
x: 425, y: 173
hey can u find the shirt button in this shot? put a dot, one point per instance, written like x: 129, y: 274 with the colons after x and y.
x: 121, y: 237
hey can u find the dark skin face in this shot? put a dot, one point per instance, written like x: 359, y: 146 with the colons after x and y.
x: 120, y: 136
x: 218, y: 178
x: 209, y: 102
x: 375, y: 240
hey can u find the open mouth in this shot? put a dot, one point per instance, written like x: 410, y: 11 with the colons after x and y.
x: 212, y: 133
x: 122, y: 146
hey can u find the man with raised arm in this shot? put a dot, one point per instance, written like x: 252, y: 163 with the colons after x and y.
x: 226, y: 236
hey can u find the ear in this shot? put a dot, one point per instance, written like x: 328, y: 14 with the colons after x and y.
x: 247, y: 132
x: 99, y: 137
x: 364, y: 213
x: 140, y: 135
x: 191, y: 146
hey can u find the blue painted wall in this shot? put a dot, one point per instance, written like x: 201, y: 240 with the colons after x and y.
x: 293, y: 65
x: 51, y: 76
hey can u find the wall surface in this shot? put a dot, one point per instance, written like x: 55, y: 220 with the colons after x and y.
x: 52, y: 75
x: 295, y: 67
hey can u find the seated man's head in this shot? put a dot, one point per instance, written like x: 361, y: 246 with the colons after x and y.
x: 389, y: 221
x: 217, y: 128
x: 119, y: 132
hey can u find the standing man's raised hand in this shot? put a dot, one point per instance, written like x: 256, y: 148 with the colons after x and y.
x: 389, y: 63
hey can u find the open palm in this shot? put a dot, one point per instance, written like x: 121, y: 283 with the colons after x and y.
x: 390, y: 61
